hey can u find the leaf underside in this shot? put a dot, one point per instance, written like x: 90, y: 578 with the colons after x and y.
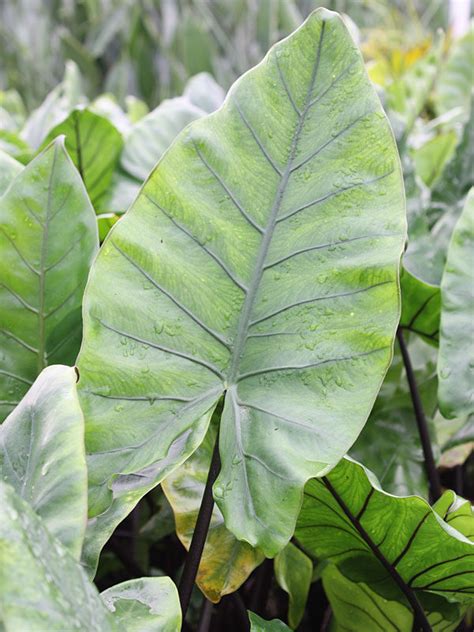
x: 260, y: 260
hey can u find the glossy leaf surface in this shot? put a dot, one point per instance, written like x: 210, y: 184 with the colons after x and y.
x: 357, y: 607
x: 150, y: 604
x: 42, y: 455
x: 226, y: 563
x: 396, y: 545
x: 456, y: 360
x: 48, y: 238
x: 42, y: 588
x: 94, y: 145
x: 261, y: 261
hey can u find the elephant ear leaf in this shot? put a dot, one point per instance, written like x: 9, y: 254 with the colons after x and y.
x: 48, y: 238
x: 260, y: 263
x: 9, y: 169
x: 42, y: 588
x: 455, y: 362
x: 42, y: 455
x: 398, y: 546
x: 149, y: 604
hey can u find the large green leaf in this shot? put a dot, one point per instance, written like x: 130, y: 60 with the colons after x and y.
x: 357, y: 607
x: 226, y: 563
x: 456, y: 359
x: 42, y: 588
x: 398, y: 546
x: 150, y: 604
x: 9, y: 169
x: 42, y: 454
x: 48, y: 238
x: 94, y: 145
x: 294, y: 572
x: 259, y: 261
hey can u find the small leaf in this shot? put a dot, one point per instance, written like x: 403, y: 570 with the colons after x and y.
x: 48, y: 238
x: 42, y: 455
x: 457, y: 512
x: 257, y: 624
x: 421, y: 307
x: 456, y: 359
x: 294, y: 572
x: 94, y: 145
x: 150, y: 604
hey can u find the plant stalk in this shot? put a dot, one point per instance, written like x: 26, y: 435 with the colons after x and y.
x: 201, y: 529
x: 430, y: 465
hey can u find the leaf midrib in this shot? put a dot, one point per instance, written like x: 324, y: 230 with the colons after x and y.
x: 243, y: 326
x: 42, y: 274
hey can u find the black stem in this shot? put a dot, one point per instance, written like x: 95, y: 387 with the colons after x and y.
x: 420, y: 618
x: 261, y: 588
x: 206, y: 616
x: 194, y: 555
x: 430, y: 465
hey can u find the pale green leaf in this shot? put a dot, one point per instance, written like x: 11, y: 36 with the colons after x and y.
x: 456, y: 358
x: 431, y: 158
x: 150, y: 604
x: 260, y: 260
x: 42, y: 588
x: 48, y: 238
x: 42, y: 455
x: 9, y: 169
